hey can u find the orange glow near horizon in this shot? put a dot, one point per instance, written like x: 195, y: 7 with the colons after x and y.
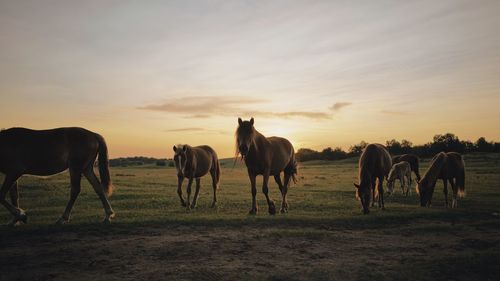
x: 325, y: 74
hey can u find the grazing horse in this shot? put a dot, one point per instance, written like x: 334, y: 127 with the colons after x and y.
x: 449, y: 167
x: 402, y: 172
x: 374, y: 165
x: 266, y: 157
x: 48, y: 152
x: 410, y: 158
x: 194, y: 163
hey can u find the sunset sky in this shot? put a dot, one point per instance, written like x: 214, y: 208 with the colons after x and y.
x: 150, y: 74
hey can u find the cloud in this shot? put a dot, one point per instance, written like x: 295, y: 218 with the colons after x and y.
x: 196, y: 129
x: 289, y: 114
x: 202, y: 107
x: 185, y: 130
x: 391, y: 112
x: 339, y: 105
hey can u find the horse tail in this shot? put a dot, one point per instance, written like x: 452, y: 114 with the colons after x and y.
x: 104, y: 166
x: 460, y: 180
x: 292, y: 168
x: 217, y: 171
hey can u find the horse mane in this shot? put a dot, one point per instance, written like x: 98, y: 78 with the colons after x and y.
x: 236, y: 147
x: 432, y: 173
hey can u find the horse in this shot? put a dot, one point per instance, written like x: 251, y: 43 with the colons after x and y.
x: 374, y: 164
x: 266, y: 156
x: 410, y: 158
x: 49, y: 152
x: 194, y: 163
x: 449, y: 167
x: 402, y: 172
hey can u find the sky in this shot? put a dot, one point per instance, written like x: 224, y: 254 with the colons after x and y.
x: 150, y: 74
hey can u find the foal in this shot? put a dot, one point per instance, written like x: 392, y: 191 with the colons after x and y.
x: 194, y: 163
x: 402, y: 172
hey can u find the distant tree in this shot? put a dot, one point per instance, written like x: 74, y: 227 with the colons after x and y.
x: 161, y: 163
x: 447, y: 142
x: 394, y: 147
x: 306, y: 154
x: 484, y: 146
x: 406, y: 146
x: 171, y: 164
x: 357, y: 148
x: 468, y: 146
x: 333, y: 154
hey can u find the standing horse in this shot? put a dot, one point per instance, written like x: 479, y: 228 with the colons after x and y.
x: 194, y: 163
x: 266, y: 157
x: 402, y: 172
x: 410, y: 158
x: 48, y: 152
x: 449, y: 167
x: 374, y: 165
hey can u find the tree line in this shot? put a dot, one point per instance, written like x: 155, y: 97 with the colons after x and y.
x: 445, y: 142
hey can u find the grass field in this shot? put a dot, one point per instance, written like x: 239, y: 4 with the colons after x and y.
x: 323, y: 237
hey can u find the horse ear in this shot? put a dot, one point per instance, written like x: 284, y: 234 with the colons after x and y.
x: 356, y: 185
x: 240, y: 121
x: 175, y: 148
x: 184, y: 148
x: 251, y: 121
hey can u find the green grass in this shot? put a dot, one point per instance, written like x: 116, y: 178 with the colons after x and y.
x: 321, y: 204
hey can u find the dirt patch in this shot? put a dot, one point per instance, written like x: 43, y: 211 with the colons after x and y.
x: 229, y: 253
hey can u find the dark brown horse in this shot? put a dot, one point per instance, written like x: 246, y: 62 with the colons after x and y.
x: 374, y: 165
x: 410, y: 158
x: 48, y: 152
x: 194, y: 163
x: 449, y: 167
x: 266, y: 157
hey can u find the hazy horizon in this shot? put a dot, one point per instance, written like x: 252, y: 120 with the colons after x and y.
x: 148, y: 75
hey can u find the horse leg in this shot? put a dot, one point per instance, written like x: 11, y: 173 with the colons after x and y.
x: 381, y: 193
x: 19, y: 214
x: 188, y: 191
x: 402, y: 183
x: 285, y: 191
x: 252, y: 177
x: 214, y: 186
x: 277, y: 179
x: 455, y: 192
x: 373, y: 193
x: 14, y: 195
x: 445, y: 191
x: 180, y: 179
x: 99, y: 190
x: 75, y: 179
x: 265, y: 190
x: 14, y: 199
x: 409, y: 184
x: 196, y: 193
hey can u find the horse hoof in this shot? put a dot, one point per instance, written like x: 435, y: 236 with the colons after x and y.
x: 106, y: 221
x: 214, y: 205
x: 62, y: 221
x: 283, y: 210
x: 13, y: 222
x: 252, y: 212
x: 22, y: 217
x: 193, y: 206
